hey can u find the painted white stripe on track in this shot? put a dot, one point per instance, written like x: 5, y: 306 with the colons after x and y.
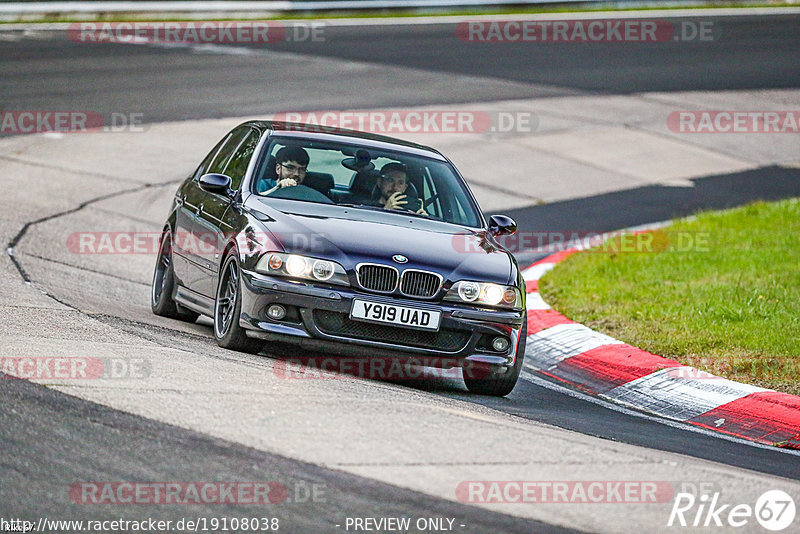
x: 529, y: 376
x: 552, y: 345
x: 535, y: 301
x: 669, y: 393
x: 535, y: 272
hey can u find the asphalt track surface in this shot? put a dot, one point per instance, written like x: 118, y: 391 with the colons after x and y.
x: 94, y: 443
x: 85, y: 441
x: 52, y: 72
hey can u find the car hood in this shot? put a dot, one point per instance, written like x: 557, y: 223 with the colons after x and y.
x: 352, y: 235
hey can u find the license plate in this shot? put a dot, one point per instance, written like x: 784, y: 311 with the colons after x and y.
x: 376, y: 312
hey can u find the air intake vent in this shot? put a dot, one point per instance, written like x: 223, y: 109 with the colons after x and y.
x: 380, y: 278
x: 420, y: 283
x: 339, y: 324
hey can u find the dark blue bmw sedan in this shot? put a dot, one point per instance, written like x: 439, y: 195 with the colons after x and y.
x: 343, y: 242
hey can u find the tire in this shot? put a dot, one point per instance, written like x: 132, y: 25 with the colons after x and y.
x: 228, y: 308
x: 164, y: 284
x: 487, y: 381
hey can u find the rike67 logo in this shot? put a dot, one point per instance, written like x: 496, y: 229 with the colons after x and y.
x: 774, y: 510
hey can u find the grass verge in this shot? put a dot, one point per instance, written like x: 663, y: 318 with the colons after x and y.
x: 720, y: 292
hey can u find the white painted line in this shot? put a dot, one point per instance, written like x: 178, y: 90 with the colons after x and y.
x: 651, y: 226
x: 667, y: 393
x: 552, y: 345
x: 535, y: 272
x: 528, y: 376
x: 534, y: 301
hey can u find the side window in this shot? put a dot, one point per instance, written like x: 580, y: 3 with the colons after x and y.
x: 202, y: 169
x: 237, y: 165
x: 225, y: 153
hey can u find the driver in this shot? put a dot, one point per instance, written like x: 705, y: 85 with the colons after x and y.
x: 291, y: 165
x: 391, y: 190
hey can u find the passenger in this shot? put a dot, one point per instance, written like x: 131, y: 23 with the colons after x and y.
x: 291, y: 165
x: 391, y: 190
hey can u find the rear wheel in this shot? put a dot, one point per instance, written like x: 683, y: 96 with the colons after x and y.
x: 494, y: 380
x: 163, y: 284
x: 228, y: 308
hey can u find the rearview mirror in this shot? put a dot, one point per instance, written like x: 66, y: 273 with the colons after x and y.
x: 216, y: 183
x: 501, y: 225
x: 361, y: 162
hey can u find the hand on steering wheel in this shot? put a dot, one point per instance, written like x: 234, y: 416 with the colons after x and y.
x: 287, y: 182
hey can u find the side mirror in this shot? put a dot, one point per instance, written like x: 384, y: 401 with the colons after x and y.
x: 216, y: 183
x: 501, y: 225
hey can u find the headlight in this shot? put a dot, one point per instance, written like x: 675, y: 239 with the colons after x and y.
x: 485, y: 293
x: 492, y: 294
x: 297, y: 266
x: 469, y: 291
x: 322, y: 270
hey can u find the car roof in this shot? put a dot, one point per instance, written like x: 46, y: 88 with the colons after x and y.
x: 314, y: 131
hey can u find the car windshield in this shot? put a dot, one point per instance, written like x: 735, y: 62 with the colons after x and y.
x: 364, y: 177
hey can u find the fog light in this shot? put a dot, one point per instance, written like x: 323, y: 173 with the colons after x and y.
x: 500, y: 344
x: 276, y: 312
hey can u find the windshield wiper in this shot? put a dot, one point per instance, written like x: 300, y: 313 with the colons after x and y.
x: 384, y: 210
x: 412, y: 213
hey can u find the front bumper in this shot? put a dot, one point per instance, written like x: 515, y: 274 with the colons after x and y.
x: 322, y: 322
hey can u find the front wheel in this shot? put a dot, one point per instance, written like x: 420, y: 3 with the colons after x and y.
x: 228, y: 308
x: 488, y: 381
x: 163, y: 284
